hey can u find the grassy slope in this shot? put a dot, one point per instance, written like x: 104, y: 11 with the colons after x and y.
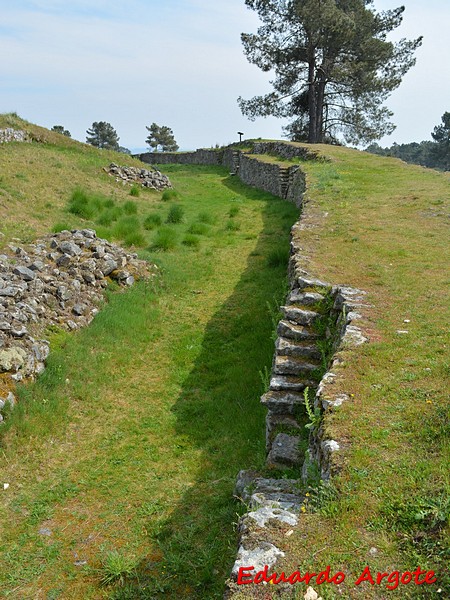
x: 132, y: 439
x: 382, y: 225
x: 379, y: 225
x: 37, y: 179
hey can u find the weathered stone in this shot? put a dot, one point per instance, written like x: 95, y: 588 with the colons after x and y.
x: 295, y: 332
x: 25, y: 273
x: 88, y: 277
x: 282, y: 402
x: 265, y: 554
x: 63, y: 293
x: 290, y: 383
x: 9, y: 291
x: 79, y: 309
x: 12, y: 358
x: 286, y: 347
x: 64, y: 260
x: 108, y: 265
x: 19, y: 332
x: 284, y: 452
x: 299, y: 315
x: 69, y: 248
x: 266, y: 513
x: 37, y: 265
x: 291, y: 365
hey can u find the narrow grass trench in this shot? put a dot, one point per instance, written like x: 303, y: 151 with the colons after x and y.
x: 121, y: 459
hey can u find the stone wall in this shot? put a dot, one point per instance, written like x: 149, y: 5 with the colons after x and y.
x: 287, y: 182
x: 301, y: 348
x: 198, y: 157
x: 263, y: 175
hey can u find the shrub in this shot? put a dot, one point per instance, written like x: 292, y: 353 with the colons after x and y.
x: 234, y: 210
x: 170, y: 195
x: 166, y: 239
x: 135, y: 190
x: 130, y: 207
x: 109, y: 203
x: 152, y: 220
x: 175, y: 215
x: 191, y: 240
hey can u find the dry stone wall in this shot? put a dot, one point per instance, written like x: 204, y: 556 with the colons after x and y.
x: 287, y: 182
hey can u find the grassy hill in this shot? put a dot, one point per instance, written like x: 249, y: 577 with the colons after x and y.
x: 122, y: 457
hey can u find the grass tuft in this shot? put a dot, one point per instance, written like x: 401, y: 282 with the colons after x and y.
x: 152, y: 220
x: 176, y: 213
x: 166, y: 239
x: 191, y: 240
x: 169, y: 195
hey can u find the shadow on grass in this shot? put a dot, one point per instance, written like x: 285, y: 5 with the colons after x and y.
x: 218, y: 411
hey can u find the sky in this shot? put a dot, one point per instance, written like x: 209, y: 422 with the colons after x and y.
x: 179, y: 63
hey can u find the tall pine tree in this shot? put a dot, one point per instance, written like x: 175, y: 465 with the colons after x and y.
x: 333, y: 66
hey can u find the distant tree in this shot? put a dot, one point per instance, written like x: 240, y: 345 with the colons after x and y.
x: 60, y: 129
x: 441, y: 149
x: 123, y: 150
x: 161, y: 137
x: 333, y: 67
x: 103, y: 135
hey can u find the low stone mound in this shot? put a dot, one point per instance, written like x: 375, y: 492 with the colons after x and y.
x: 12, y: 135
x: 56, y: 281
x: 153, y: 179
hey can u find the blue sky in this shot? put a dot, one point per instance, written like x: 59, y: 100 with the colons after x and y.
x: 178, y: 63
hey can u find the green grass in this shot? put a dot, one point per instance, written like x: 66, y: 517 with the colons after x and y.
x: 150, y: 416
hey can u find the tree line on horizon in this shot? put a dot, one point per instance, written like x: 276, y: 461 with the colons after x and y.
x: 434, y: 154
x: 103, y: 135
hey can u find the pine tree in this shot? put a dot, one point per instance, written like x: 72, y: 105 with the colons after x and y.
x: 333, y: 66
x: 103, y: 135
x: 441, y: 148
x: 161, y: 137
x: 60, y: 129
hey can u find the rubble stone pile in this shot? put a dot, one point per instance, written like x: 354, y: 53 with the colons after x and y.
x: 153, y: 179
x: 12, y: 135
x: 58, y: 280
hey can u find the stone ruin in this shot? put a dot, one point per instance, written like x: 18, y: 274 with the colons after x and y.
x: 56, y: 281
x: 153, y: 179
x: 12, y: 135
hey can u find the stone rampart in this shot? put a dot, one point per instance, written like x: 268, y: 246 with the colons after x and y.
x: 282, y: 180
